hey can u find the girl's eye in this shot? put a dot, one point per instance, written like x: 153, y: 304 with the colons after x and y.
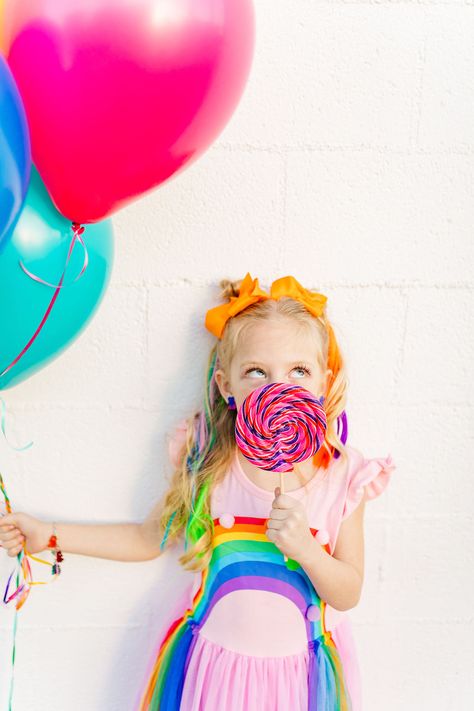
x: 302, y: 368
x: 250, y: 370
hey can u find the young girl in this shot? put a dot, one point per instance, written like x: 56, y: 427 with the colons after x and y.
x: 261, y: 632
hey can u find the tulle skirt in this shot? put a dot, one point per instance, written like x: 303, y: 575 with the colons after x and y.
x: 218, y: 678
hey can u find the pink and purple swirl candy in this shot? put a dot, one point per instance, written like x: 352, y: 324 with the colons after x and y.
x: 278, y: 425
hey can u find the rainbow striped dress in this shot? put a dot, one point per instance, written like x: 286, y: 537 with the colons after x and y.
x: 243, y: 558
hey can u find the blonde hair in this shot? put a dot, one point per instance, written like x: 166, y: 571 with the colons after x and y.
x: 210, y: 441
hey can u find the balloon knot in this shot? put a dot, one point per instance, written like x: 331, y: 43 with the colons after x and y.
x: 77, y: 228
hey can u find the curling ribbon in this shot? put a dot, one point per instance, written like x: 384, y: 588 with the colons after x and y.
x: 61, y: 286
x: 23, y: 568
x: 3, y: 428
x: 22, y: 591
x: 77, y: 231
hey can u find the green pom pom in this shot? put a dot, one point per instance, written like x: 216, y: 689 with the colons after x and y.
x: 292, y: 564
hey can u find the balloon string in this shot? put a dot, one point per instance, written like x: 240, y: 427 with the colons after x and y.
x: 61, y: 286
x: 77, y: 230
x: 3, y: 428
x: 23, y: 568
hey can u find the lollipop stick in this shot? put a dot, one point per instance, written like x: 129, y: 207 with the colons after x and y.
x: 282, y: 489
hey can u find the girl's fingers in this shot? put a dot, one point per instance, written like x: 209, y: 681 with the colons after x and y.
x: 6, y: 527
x: 18, y: 541
x: 10, y: 535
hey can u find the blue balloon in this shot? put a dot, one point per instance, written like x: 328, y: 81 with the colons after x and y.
x: 41, y: 241
x: 15, y: 153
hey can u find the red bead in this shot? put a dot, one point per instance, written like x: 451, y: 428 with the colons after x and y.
x: 52, y: 542
x: 59, y: 557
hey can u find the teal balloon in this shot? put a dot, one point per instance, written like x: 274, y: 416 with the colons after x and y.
x: 41, y: 240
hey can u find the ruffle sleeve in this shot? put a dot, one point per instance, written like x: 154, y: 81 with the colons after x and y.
x: 372, y: 474
x: 176, y: 442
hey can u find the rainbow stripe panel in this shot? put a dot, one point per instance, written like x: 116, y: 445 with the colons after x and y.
x: 244, y: 559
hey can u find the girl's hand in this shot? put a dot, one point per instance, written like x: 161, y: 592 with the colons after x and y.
x: 288, y: 526
x: 20, y: 529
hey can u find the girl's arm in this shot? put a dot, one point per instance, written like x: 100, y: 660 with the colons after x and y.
x: 338, y: 578
x: 120, y: 541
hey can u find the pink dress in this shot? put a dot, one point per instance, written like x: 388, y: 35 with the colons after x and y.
x: 256, y: 636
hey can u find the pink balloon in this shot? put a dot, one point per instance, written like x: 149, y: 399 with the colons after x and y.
x: 122, y: 95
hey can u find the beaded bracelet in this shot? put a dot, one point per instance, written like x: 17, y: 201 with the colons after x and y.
x: 53, y: 543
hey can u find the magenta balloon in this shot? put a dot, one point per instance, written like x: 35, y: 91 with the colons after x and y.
x: 121, y: 95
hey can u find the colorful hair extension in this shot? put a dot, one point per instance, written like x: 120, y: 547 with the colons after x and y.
x: 323, y: 457
x: 204, y: 440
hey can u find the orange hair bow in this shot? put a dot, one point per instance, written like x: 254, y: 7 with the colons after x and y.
x: 250, y: 293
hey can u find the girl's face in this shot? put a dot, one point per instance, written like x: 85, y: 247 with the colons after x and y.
x: 273, y: 351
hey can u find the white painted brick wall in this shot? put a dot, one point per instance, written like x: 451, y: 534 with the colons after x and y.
x: 349, y: 163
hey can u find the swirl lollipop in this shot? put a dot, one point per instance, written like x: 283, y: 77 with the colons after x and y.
x: 279, y: 425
